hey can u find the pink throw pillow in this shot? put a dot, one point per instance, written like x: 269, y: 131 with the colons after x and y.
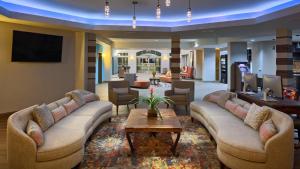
x: 90, y: 97
x: 34, y: 131
x: 231, y: 106
x: 59, y: 113
x: 267, y: 130
x: 240, y: 112
x: 213, y: 98
x: 71, y: 106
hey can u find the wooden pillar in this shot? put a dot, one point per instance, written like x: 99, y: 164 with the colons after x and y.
x: 175, y: 58
x: 284, y: 56
x: 91, y: 61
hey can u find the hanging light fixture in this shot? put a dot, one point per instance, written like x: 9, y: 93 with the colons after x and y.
x: 158, y: 10
x: 106, y: 9
x: 134, y: 17
x: 168, y: 3
x: 189, y: 12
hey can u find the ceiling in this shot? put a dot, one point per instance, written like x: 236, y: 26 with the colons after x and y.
x: 90, y: 12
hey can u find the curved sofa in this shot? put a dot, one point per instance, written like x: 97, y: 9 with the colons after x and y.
x: 239, y: 146
x: 64, y: 141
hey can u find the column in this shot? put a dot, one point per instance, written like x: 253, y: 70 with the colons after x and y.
x: 237, y: 52
x: 209, y: 64
x: 284, y: 56
x: 175, y: 58
x: 91, y: 62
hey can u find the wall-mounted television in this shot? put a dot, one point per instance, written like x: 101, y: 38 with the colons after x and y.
x: 35, y: 47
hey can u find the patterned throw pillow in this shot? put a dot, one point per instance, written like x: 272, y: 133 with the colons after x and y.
x: 34, y: 131
x: 223, y: 99
x: 213, y: 98
x: 59, y: 113
x: 91, y: 97
x: 71, y: 106
x: 77, y: 96
x: 231, y: 106
x: 43, y: 117
x: 179, y: 91
x: 240, y: 112
x: 256, y: 116
x: 267, y: 130
x: 121, y: 90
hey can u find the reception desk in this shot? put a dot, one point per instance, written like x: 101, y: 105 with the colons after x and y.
x: 284, y: 105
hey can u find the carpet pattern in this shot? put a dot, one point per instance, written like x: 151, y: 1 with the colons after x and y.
x: 108, y: 148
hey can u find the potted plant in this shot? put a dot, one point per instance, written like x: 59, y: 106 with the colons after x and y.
x: 154, y: 73
x: 152, y: 102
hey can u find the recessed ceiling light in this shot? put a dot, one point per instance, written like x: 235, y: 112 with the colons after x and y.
x: 252, y: 40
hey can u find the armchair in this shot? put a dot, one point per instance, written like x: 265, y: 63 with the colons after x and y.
x: 119, y: 93
x: 182, y: 93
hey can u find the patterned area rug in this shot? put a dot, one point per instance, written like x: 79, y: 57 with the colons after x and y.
x: 108, y: 148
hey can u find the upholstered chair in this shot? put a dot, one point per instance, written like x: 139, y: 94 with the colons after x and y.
x: 131, y: 78
x: 182, y: 93
x: 119, y: 93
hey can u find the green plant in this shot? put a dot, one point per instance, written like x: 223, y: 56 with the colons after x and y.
x: 153, y: 101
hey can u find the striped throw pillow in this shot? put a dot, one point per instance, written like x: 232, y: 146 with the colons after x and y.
x: 59, y: 113
x: 34, y: 131
x: 267, y: 130
x: 71, y: 106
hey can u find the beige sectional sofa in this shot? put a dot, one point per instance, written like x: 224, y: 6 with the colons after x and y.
x: 239, y: 146
x: 64, y: 141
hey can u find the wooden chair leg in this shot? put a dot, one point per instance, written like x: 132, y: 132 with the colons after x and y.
x: 186, y: 108
x: 135, y: 105
x: 127, y: 107
x: 117, y: 110
x: 192, y: 119
x: 167, y: 106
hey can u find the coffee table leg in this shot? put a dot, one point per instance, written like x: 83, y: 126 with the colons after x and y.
x: 173, y: 149
x: 130, y: 143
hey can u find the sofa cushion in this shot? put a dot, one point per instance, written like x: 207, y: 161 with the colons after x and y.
x: 242, y: 142
x: 223, y: 99
x: 242, y: 103
x: 93, y: 109
x: 60, y: 142
x: 52, y: 106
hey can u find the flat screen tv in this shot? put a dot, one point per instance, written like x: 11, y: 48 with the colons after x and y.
x: 35, y: 47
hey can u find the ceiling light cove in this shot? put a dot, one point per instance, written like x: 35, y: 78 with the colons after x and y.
x: 175, y: 13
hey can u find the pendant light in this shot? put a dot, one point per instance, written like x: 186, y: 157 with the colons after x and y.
x: 189, y: 12
x: 134, y: 17
x: 168, y: 3
x: 158, y: 10
x: 106, y: 9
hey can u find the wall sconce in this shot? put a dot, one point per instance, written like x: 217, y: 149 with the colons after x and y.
x: 131, y: 57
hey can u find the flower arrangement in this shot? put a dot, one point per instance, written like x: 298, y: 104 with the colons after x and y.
x: 152, y: 102
x: 153, y: 74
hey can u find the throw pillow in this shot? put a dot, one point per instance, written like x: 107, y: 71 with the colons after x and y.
x: 34, y: 131
x: 77, y: 96
x: 59, y: 113
x: 223, y: 99
x: 71, y: 106
x: 91, y: 97
x: 230, y: 106
x: 256, y: 116
x: 240, y: 112
x: 179, y: 91
x: 43, y: 117
x: 213, y: 98
x: 267, y: 130
x: 121, y: 90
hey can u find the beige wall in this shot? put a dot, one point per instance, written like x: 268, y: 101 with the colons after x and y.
x: 25, y: 84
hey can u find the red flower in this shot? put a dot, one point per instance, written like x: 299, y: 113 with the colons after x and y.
x: 151, y: 90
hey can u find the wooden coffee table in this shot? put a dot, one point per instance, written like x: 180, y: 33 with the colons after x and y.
x: 138, y: 122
